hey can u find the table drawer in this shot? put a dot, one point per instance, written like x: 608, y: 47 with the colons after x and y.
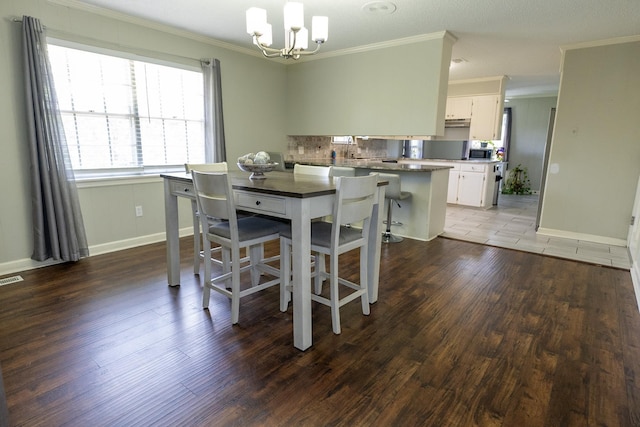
x: 473, y: 168
x: 183, y: 189
x: 262, y: 203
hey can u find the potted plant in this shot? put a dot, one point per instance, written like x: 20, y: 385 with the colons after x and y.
x: 517, y: 181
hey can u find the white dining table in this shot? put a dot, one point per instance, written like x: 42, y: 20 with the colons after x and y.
x: 281, y: 195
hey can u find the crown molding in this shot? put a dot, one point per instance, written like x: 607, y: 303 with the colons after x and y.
x: 108, y: 13
x: 119, y: 16
x: 479, y: 79
x: 597, y: 43
x: 383, y: 45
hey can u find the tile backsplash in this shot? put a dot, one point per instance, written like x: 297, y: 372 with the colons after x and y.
x: 320, y: 147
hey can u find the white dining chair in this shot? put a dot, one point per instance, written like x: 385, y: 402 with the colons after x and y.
x: 342, y: 171
x: 302, y: 171
x: 299, y: 169
x: 354, y: 202
x: 198, y: 241
x: 215, y: 199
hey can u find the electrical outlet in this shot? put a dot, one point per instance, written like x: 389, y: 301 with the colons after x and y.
x: 138, y: 210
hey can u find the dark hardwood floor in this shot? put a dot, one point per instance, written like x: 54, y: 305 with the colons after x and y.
x: 462, y: 335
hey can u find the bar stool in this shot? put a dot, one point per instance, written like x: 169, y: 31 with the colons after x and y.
x: 393, y: 193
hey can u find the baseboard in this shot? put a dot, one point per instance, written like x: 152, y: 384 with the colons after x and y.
x: 29, y: 264
x: 584, y: 237
x: 635, y: 278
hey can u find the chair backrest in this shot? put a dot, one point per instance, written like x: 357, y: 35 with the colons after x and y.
x: 354, y: 202
x: 342, y: 171
x: 311, y: 170
x: 214, y: 197
x: 277, y: 157
x: 206, y: 167
x: 393, y: 190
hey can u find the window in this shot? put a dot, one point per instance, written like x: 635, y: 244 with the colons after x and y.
x: 125, y: 116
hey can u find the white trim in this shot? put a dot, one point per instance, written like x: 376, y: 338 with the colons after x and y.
x: 75, y: 4
x: 120, y: 180
x: 96, y: 10
x: 104, y: 248
x: 123, y: 54
x: 635, y: 278
x: 381, y: 45
x: 583, y: 237
x: 597, y: 43
x: 479, y: 80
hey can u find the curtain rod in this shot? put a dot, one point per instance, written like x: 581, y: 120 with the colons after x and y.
x: 201, y: 60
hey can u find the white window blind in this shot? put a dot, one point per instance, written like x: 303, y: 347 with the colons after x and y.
x: 124, y: 116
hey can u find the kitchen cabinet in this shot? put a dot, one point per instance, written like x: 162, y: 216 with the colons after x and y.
x: 486, y: 118
x: 471, y: 188
x: 459, y: 107
x: 471, y: 183
x: 452, y: 190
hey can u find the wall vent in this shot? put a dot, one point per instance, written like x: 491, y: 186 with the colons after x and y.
x: 9, y: 280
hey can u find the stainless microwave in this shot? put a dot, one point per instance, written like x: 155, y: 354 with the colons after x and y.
x: 480, y: 153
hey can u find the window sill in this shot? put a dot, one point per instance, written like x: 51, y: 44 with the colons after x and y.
x: 110, y: 181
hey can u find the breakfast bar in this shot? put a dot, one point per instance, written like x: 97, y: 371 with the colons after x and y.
x: 423, y: 214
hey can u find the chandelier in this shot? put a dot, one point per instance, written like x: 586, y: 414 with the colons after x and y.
x: 296, y: 36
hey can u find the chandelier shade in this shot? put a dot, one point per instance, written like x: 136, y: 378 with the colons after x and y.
x: 296, y: 35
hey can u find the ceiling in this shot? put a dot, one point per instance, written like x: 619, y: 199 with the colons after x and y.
x: 517, y: 38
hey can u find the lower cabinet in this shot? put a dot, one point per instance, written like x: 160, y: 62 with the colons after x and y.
x: 452, y: 191
x: 469, y: 185
x: 470, y: 188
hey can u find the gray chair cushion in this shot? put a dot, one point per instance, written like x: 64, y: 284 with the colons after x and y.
x: 321, y: 234
x: 248, y: 228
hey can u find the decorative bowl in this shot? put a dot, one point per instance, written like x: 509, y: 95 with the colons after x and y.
x: 257, y: 170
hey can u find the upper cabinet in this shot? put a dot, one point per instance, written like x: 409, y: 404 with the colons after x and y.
x: 459, y: 107
x: 481, y: 100
x: 486, y: 118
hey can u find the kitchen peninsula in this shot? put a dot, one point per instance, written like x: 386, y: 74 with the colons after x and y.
x: 471, y: 182
x: 423, y: 214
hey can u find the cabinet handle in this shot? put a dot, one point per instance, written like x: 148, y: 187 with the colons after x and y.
x: 258, y: 202
x: 186, y: 190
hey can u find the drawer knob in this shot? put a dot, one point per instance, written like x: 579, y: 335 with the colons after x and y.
x: 258, y: 202
x: 186, y: 190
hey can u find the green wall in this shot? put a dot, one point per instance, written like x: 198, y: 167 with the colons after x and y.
x: 530, y: 122
x: 397, y: 90
x: 595, y: 152
x: 254, y: 114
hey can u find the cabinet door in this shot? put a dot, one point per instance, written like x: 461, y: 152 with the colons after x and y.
x: 459, y: 107
x: 486, y: 120
x: 452, y: 190
x: 470, y: 188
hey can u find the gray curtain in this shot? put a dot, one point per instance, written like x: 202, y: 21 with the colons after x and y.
x: 215, y: 147
x: 58, y: 228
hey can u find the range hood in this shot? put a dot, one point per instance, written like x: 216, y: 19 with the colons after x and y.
x: 457, y: 123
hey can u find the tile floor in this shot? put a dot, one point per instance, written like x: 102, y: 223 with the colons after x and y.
x: 511, y: 224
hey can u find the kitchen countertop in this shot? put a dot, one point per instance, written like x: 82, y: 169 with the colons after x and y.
x: 375, y: 164
x: 453, y: 161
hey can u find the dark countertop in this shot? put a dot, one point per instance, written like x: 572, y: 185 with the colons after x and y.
x: 375, y: 164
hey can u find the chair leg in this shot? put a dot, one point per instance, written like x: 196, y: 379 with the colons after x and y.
x: 285, y: 274
x: 321, y: 267
x: 235, y: 287
x: 334, y: 295
x: 196, y: 239
x: 256, y: 255
x: 364, y: 297
x: 225, y: 255
x: 206, y: 287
